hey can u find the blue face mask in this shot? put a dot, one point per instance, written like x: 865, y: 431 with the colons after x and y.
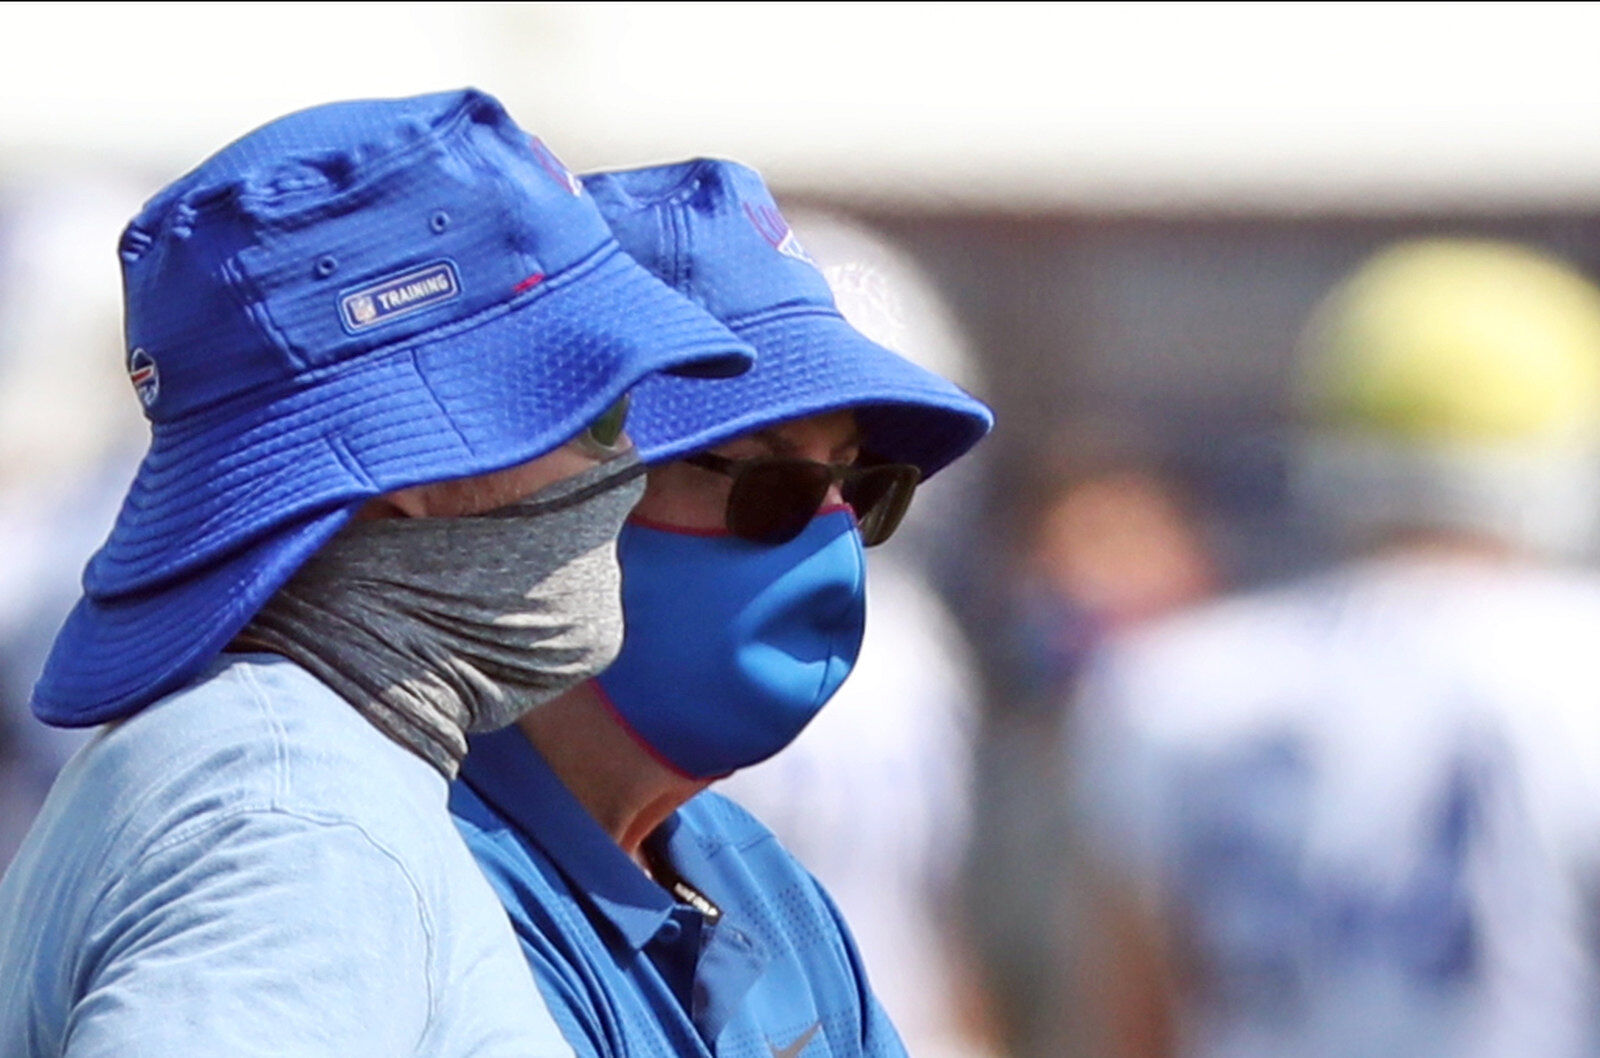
x: 730, y: 648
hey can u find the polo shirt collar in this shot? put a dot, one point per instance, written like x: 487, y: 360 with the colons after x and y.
x: 505, y: 769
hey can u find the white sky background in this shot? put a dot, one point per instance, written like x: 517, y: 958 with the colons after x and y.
x: 1231, y: 106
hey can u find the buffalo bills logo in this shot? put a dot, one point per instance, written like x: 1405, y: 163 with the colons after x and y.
x: 552, y: 165
x: 773, y: 228
x: 144, y: 376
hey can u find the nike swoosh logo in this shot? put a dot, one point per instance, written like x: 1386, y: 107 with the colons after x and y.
x: 794, y: 1049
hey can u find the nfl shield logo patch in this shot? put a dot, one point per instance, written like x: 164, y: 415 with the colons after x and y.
x: 362, y: 310
x: 144, y: 376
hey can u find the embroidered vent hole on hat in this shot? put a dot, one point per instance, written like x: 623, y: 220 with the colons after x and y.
x: 330, y: 308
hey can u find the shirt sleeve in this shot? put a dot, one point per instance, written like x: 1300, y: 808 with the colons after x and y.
x: 258, y: 933
x: 580, y: 1022
x: 879, y: 1038
x: 566, y: 986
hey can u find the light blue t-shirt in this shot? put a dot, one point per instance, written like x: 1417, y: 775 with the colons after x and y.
x: 750, y: 960
x: 248, y: 867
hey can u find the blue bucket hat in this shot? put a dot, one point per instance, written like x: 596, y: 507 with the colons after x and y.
x: 353, y: 299
x: 711, y: 230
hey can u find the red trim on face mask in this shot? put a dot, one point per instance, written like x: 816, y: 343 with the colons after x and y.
x: 668, y: 527
x: 640, y: 741
x: 683, y: 530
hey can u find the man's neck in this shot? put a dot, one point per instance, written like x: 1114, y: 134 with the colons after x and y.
x: 627, y: 790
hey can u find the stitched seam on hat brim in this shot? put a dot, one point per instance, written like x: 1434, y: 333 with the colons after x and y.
x: 316, y: 376
x: 347, y: 459
x: 444, y: 412
x: 828, y: 401
x: 923, y: 384
x: 218, y: 556
x: 785, y: 312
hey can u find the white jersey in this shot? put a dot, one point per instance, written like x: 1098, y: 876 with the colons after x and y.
x: 1371, y: 804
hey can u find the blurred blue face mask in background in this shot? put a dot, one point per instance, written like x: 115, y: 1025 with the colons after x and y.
x: 731, y: 647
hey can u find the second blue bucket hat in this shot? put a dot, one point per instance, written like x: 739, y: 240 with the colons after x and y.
x: 711, y: 230
x: 353, y: 299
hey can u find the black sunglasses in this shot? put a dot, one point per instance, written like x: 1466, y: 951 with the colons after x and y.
x: 774, y: 497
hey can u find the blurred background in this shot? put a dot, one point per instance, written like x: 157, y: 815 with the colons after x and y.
x: 1112, y: 221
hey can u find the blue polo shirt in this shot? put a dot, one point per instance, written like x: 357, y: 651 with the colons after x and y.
x: 747, y: 957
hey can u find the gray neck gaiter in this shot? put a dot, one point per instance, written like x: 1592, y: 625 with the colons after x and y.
x: 435, y: 627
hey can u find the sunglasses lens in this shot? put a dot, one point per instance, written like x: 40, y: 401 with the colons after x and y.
x: 880, y: 497
x: 772, y: 501
x: 606, y: 431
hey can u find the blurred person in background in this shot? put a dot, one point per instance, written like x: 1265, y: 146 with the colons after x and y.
x: 1109, y: 541
x: 384, y: 347
x: 874, y: 796
x: 1360, y: 814
x: 660, y: 917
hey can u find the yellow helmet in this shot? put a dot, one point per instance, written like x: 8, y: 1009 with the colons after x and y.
x: 1454, y: 385
x: 1457, y: 340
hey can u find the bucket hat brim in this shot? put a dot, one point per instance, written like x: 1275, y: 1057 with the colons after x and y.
x: 113, y: 658
x: 809, y: 363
